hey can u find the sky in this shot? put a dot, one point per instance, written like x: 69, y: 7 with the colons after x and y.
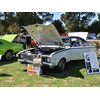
x: 57, y: 15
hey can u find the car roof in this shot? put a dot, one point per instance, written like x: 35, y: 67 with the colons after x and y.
x: 71, y: 37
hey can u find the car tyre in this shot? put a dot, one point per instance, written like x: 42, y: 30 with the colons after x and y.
x: 61, y: 65
x: 8, y: 55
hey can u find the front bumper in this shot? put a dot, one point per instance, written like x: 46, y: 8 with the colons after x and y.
x: 25, y: 61
x: 31, y: 62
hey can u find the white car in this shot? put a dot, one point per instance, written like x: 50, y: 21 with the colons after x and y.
x: 53, y: 50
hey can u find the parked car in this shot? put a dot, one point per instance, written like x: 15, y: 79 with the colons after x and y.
x: 93, y: 38
x: 15, y: 38
x: 54, y: 51
x: 8, y: 49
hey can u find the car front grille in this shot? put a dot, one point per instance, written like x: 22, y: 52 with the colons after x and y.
x: 43, y: 59
x: 28, y: 57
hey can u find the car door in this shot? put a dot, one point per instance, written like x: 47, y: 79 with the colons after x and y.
x: 79, y: 47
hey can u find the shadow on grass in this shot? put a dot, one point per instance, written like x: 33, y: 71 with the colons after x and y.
x: 3, y: 62
x: 5, y: 75
x: 72, y: 69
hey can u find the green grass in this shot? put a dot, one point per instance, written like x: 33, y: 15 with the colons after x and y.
x: 13, y: 74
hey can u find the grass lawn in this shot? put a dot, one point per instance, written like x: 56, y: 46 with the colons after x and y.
x: 13, y: 74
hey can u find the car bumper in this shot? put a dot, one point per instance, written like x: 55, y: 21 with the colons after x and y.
x: 31, y: 62
x: 25, y: 61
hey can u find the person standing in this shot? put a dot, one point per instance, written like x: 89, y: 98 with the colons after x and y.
x: 28, y: 41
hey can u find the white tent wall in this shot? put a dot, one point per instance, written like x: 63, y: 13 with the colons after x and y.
x: 80, y: 34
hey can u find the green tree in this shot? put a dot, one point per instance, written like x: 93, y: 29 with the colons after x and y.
x: 28, y: 18
x: 98, y: 17
x: 1, y: 23
x: 45, y: 16
x: 1, y: 15
x: 94, y: 27
x: 1, y: 28
x: 11, y: 18
x: 8, y: 18
x: 14, y: 28
x: 59, y: 26
x: 23, y: 18
x: 77, y: 21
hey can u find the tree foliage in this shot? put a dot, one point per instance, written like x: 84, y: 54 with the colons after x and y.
x: 28, y: 18
x: 95, y: 26
x: 1, y: 28
x: 13, y: 28
x: 59, y: 26
x: 77, y: 21
x: 74, y: 21
x: 10, y: 19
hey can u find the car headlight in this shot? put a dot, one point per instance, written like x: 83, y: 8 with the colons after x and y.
x: 48, y: 60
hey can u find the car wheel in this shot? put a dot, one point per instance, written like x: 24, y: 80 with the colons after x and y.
x: 61, y: 65
x: 8, y: 55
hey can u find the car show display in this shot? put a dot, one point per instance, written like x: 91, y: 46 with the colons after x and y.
x: 31, y: 69
x: 55, y: 51
x: 91, y: 63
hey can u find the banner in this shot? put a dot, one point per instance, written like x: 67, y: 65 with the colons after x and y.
x: 91, y: 63
x: 34, y: 69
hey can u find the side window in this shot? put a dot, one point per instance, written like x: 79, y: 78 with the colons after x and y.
x: 66, y: 41
x: 75, y: 42
x: 81, y: 42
